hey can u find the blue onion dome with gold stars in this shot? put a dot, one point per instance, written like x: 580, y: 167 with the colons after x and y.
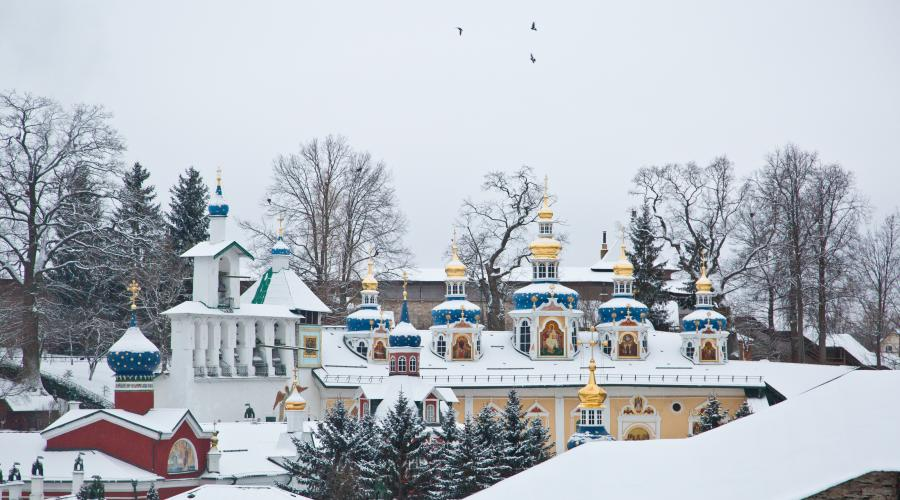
x: 622, y: 303
x: 455, y: 305
x: 217, y: 205
x: 133, y: 356
x: 404, y: 334
x: 704, y: 316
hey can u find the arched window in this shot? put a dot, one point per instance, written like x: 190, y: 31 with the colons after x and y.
x: 361, y: 348
x: 401, y: 364
x: 441, y: 346
x: 574, y: 336
x: 393, y: 363
x: 430, y: 413
x: 689, y: 350
x: 525, y: 336
x: 412, y: 364
x: 551, y: 270
x: 607, y: 345
x: 889, y: 348
x: 182, y: 458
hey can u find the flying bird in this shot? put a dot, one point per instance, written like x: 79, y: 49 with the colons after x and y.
x: 533, y: 60
x: 533, y: 26
x: 460, y: 30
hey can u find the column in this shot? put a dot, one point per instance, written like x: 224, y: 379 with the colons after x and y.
x: 37, y: 488
x: 559, y: 424
x: 212, y: 350
x: 229, y: 329
x: 201, y: 334
x: 268, y: 339
x: 287, y: 355
x: 77, y: 481
x: 245, y: 352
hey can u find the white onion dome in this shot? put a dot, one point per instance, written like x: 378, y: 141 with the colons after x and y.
x: 217, y: 204
x: 537, y: 294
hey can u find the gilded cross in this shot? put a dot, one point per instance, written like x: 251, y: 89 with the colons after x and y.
x: 134, y: 288
x: 280, y: 225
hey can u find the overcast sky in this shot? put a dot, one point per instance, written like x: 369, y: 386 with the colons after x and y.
x: 616, y: 86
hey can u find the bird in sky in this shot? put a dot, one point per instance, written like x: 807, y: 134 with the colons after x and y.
x: 533, y: 26
x: 533, y: 60
x: 460, y: 30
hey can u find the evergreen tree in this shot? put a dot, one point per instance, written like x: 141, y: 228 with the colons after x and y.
x: 332, y: 469
x: 712, y: 415
x: 138, y: 217
x: 92, y: 490
x: 445, y: 438
x: 471, y: 464
x: 537, y: 443
x: 648, y: 271
x: 489, y: 430
x: 152, y: 494
x: 187, y: 220
x: 743, y: 410
x: 514, y: 455
x: 400, y: 464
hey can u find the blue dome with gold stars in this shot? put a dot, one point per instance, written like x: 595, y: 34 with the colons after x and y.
x: 536, y: 294
x: 133, y: 355
x: 217, y: 205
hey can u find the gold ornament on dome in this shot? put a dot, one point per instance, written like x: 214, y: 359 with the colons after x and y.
x: 623, y: 267
x: 134, y: 288
x: 704, y: 284
x: 455, y: 268
x: 592, y: 396
x: 545, y: 214
x: 369, y: 282
x: 545, y: 248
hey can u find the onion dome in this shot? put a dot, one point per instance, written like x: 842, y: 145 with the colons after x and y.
x: 591, y: 395
x: 618, y: 308
x: 455, y: 268
x: 404, y: 334
x: 545, y: 246
x: 537, y: 294
x: 365, y: 319
x: 703, y: 319
x: 703, y: 284
x: 280, y: 247
x: 623, y: 267
x: 369, y: 283
x: 133, y: 355
x: 217, y: 205
x: 295, y: 402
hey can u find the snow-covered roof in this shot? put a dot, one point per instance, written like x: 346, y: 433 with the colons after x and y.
x: 847, y: 342
x: 24, y: 447
x: 702, y: 315
x: 133, y: 340
x: 237, y: 492
x: 245, y: 310
x: 558, y: 288
x: 158, y: 423
x: 214, y: 249
x: 373, y: 314
x: 248, y: 448
x: 24, y: 400
x: 453, y: 305
x: 286, y: 289
x: 794, y: 449
x: 502, y: 365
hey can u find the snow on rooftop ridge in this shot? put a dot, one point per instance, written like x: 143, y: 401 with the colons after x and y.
x: 237, y: 492
x: 287, y: 289
x: 133, y: 340
x: 787, y: 451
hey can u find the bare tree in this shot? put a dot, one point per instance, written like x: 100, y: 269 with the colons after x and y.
x: 493, y: 235
x: 696, y: 207
x: 338, y: 205
x: 877, y: 256
x: 41, y: 146
x: 836, y: 209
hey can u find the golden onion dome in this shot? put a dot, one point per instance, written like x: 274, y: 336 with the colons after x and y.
x: 703, y: 284
x: 592, y: 396
x: 369, y: 282
x: 295, y: 401
x: 623, y: 267
x: 455, y: 268
x: 545, y: 248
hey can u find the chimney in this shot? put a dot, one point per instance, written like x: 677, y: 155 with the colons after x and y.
x: 603, y: 248
x: 214, y: 455
x: 74, y: 405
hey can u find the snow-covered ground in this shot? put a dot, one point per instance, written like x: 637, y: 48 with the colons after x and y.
x: 75, y: 370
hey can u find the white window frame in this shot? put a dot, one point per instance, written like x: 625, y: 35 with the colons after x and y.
x: 401, y: 364
x: 440, y: 346
x: 412, y: 364
x: 524, y: 336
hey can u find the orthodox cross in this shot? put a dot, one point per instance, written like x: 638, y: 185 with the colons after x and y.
x: 280, y: 225
x: 404, y: 285
x: 134, y: 288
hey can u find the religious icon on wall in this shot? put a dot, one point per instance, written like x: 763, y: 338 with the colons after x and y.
x: 311, y: 350
x: 379, y: 351
x: 462, y: 347
x: 708, y: 353
x: 628, y: 347
x: 637, y: 434
x: 551, y: 339
x: 182, y: 457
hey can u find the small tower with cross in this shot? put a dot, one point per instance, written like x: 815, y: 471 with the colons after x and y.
x: 591, y: 422
x: 404, y: 342
x: 133, y: 358
x: 456, y: 322
x: 704, y: 337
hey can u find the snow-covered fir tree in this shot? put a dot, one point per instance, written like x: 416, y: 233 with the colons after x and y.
x: 514, y: 443
x: 712, y: 415
x: 187, y: 220
x: 445, y: 437
x: 537, y: 443
x: 399, y: 469
x: 743, y: 410
x: 489, y: 428
x: 332, y: 469
x: 152, y: 494
x: 648, y: 271
x: 92, y: 490
x: 138, y: 217
x: 471, y: 464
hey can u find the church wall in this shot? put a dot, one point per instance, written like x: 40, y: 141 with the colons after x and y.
x: 221, y: 398
x: 111, y: 439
